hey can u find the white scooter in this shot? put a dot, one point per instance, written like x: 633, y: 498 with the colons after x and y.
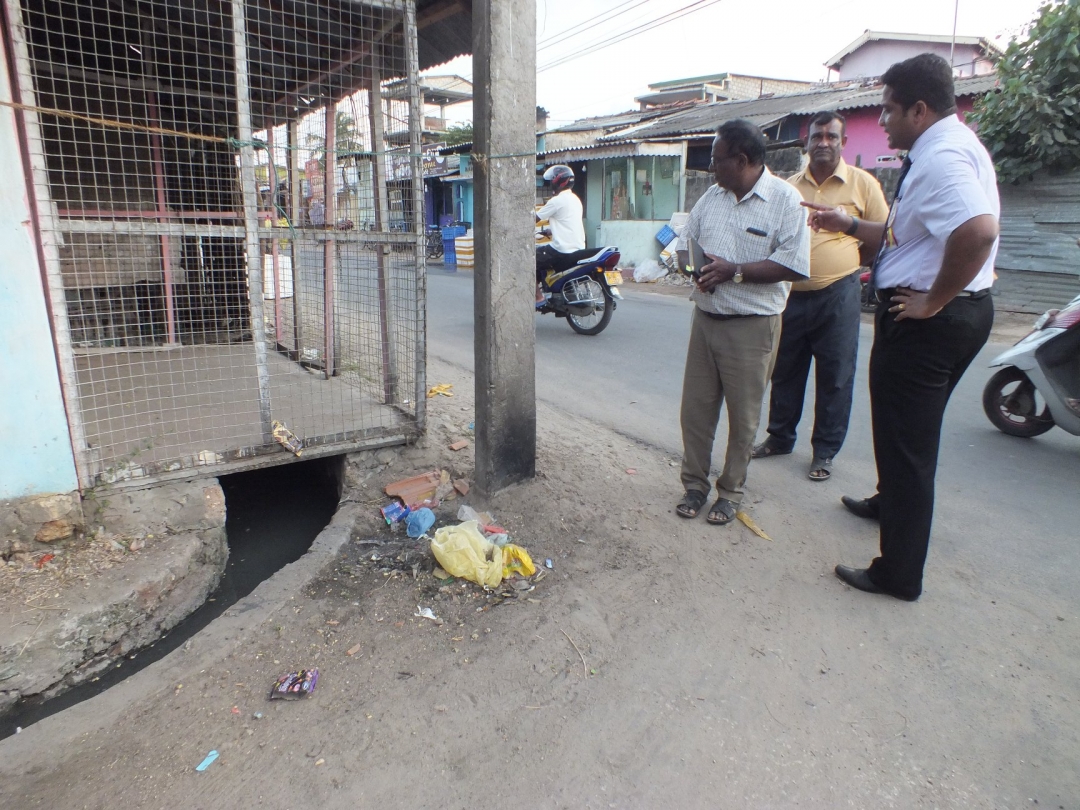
x: 1039, y: 384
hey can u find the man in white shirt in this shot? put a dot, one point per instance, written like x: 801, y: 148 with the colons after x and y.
x: 564, y: 215
x: 933, y: 276
x: 754, y: 234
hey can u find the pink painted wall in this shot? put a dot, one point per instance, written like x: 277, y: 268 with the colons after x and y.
x: 867, y: 141
x: 875, y: 57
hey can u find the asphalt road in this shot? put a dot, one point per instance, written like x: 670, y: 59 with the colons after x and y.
x: 1013, y: 500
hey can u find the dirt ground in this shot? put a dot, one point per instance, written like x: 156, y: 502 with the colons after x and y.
x: 661, y: 662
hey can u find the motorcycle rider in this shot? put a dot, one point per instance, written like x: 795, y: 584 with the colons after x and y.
x: 564, y: 215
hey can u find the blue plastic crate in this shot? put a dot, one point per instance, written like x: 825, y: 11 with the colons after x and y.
x: 453, y: 232
x: 665, y: 235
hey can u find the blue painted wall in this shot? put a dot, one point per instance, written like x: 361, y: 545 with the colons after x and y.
x: 35, y: 446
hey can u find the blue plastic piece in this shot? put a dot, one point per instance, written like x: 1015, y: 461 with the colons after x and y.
x: 417, y: 523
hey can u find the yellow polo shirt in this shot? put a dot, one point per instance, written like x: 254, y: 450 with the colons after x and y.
x: 834, y: 255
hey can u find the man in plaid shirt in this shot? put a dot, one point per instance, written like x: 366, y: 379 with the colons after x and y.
x: 754, y: 234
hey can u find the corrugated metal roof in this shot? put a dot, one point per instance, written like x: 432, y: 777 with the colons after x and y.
x: 619, y: 120
x: 610, y: 149
x: 705, y: 118
x: 764, y: 112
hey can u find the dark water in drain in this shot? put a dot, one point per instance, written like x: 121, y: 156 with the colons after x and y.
x: 272, y: 517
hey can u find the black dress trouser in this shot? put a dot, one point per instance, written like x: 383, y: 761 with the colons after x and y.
x: 914, y: 367
x: 823, y: 326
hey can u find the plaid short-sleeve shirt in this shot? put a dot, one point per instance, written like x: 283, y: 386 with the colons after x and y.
x: 768, y: 223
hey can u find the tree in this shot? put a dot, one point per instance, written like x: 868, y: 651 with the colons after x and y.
x: 346, y: 139
x: 459, y: 133
x: 1033, y: 121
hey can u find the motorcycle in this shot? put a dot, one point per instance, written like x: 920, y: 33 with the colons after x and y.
x: 586, y: 293
x: 867, y: 301
x: 1038, y: 385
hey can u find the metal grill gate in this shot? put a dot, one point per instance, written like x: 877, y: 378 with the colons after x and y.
x: 227, y: 241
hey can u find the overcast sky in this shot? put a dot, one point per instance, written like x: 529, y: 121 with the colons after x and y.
x: 787, y: 39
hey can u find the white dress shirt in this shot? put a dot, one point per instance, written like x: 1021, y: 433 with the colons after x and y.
x: 951, y: 180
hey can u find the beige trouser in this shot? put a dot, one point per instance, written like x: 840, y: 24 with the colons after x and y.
x: 730, y: 360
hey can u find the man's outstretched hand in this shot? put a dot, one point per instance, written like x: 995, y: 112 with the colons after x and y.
x: 827, y: 218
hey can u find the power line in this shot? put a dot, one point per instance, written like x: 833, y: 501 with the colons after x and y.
x: 699, y: 5
x: 569, y: 33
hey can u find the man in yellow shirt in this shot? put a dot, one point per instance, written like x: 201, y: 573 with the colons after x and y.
x: 821, y: 320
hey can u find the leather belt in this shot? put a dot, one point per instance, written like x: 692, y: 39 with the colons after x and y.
x: 885, y: 294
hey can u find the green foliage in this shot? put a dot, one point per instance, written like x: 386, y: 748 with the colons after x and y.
x: 346, y: 139
x: 459, y: 133
x: 1033, y: 123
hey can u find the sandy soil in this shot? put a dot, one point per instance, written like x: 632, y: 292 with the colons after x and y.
x: 662, y: 662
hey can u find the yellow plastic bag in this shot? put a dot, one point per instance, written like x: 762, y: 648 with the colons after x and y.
x: 464, y: 552
x: 516, y: 560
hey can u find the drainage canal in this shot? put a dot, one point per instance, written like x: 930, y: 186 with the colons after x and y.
x: 272, y: 516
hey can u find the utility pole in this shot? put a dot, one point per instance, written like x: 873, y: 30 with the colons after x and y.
x: 504, y: 182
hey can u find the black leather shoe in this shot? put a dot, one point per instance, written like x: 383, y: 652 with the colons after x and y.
x: 858, y: 578
x: 863, y: 507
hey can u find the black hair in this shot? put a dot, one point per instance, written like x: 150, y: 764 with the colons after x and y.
x: 743, y: 138
x: 823, y: 119
x: 927, y: 78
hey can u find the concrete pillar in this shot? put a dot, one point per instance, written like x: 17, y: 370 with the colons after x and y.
x: 504, y: 161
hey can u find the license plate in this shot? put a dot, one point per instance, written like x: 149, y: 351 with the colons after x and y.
x: 613, y: 277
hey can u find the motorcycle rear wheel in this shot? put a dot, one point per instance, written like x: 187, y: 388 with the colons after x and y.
x: 1009, y: 400
x: 595, y: 322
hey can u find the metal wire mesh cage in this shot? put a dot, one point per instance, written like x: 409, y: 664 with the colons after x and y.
x: 229, y: 200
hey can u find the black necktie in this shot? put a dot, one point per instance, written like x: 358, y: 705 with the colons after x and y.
x: 904, y: 167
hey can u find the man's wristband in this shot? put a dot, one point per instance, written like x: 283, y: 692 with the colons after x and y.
x: 853, y: 227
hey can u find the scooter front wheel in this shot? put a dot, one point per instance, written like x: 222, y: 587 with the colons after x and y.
x: 1012, y: 404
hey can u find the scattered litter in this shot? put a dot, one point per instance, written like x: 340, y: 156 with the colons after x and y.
x: 466, y: 512
x: 417, y: 523
x: 202, y: 766
x: 464, y: 552
x: 286, y: 438
x: 43, y: 560
x: 516, y: 560
x: 320, y: 761
x: 426, y: 613
x: 472, y: 425
x: 394, y: 511
x: 353, y: 650
x: 258, y: 715
x: 236, y: 710
x: 521, y: 585
x: 136, y: 544
x: 549, y: 564
x: 631, y: 471
x: 416, y: 489
x: 649, y: 270
x: 442, y: 389
x: 440, y: 575
x: 460, y: 444
x: 462, y: 486
x: 749, y: 523
x: 295, y: 685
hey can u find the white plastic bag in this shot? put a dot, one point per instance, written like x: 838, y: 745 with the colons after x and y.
x: 648, y: 270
